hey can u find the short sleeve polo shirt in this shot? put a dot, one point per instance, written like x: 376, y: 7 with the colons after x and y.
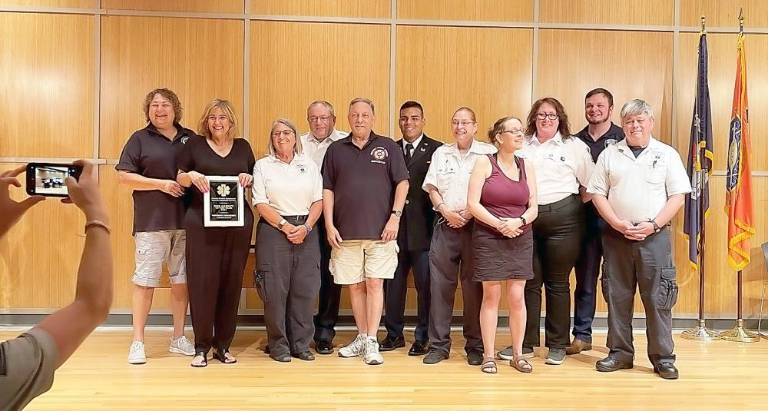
x: 363, y: 182
x: 152, y: 155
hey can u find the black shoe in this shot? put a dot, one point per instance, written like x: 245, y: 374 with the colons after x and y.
x: 304, y: 355
x: 434, y: 357
x: 390, y: 343
x: 418, y: 348
x: 324, y: 347
x: 610, y: 364
x: 281, y: 358
x: 666, y: 371
x: 474, y: 357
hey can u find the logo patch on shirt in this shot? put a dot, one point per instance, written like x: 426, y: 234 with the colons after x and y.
x: 610, y: 142
x: 379, y: 154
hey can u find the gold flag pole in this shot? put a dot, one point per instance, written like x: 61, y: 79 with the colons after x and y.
x: 701, y: 332
x: 739, y: 333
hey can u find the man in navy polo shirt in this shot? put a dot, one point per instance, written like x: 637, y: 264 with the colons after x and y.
x: 365, y: 183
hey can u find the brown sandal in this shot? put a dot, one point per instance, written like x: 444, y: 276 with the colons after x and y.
x: 489, y: 366
x: 521, y: 364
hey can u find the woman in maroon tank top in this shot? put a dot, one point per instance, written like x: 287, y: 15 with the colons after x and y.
x: 502, y: 198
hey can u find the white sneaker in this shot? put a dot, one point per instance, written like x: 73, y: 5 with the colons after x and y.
x: 355, y: 349
x: 136, y: 354
x: 371, y: 355
x: 182, y: 345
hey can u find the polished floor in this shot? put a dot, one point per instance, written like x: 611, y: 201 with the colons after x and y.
x: 715, y: 375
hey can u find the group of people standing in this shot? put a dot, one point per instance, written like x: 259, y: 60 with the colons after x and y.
x: 503, y: 216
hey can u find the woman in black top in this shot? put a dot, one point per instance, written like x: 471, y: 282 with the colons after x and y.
x: 216, y: 256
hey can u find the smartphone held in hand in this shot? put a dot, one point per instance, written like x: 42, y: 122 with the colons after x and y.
x: 47, y: 179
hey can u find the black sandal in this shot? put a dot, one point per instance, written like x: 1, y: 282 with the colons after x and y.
x: 200, y: 364
x: 224, y: 356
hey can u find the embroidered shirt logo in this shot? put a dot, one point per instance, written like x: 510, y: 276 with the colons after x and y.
x: 379, y: 155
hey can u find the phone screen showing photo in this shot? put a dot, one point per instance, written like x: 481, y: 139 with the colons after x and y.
x: 50, y: 180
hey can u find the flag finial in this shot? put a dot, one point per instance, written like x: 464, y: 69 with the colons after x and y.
x: 741, y: 20
x: 703, y: 25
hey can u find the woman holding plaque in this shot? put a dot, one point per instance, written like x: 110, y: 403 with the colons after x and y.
x: 219, y: 223
x: 287, y: 193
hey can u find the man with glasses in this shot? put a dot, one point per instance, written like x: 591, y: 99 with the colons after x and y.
x: 365, y: 183
x: 322, y: 132
x: 599, y: 133
x: 413, y: 237
x: 638, y: 186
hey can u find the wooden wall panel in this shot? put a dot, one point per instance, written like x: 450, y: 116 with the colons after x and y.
x: 40, y: 255
x: 649, y: 12
x: 293, y: 64
x: 629, y: 64
x: 88, y: 4
x: 215, y: 6
x: 443, y: 68
x: 722, y: 76
x: 724, y: 13
x: 324, y: 8
x: 47, y: 75
x: 485, y: 10
x: 198, y: 59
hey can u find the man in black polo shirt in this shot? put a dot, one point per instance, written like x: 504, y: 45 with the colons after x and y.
x: 148, y: 166
x: 599, y: 133
x: 365, y: 183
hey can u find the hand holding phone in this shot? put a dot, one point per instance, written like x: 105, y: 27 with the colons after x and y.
x: 10, y: 210
x: 47, y: 179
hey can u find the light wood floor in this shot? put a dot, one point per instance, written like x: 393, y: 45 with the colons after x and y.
x: 717, y: 375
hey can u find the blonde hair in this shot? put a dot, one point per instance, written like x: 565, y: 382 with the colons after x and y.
x: 226, y: 107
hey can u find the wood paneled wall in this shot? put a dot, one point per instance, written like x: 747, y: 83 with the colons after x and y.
x: 75, y: 73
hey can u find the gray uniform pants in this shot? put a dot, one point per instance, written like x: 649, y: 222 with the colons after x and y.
x: 450, y: 249
x: 288, y: 278
x: 648, y: 266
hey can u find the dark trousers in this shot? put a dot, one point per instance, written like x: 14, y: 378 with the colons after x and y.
x: 450, y: 257
x: 395, y: 291
x: 289, y: 278
x: 557, y: 233
x: 587, y: 272
x: 646, y: 265
x: 330, y: 292
x: 216, y: 260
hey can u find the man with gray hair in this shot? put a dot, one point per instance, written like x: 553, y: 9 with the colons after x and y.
x: 638, y: 185
x: 322, y: 132
x: 365, y: 183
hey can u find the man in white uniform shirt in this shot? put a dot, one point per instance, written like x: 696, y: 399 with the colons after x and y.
x: 322, y: 133
x: 638, y: 185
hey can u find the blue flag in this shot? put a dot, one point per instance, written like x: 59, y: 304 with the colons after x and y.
x: 700, y: 156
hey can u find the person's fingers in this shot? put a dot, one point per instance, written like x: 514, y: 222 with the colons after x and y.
x: 10, y: 181
x: 16, y: 171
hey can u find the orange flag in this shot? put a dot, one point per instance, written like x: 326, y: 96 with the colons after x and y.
x: 738, y: 197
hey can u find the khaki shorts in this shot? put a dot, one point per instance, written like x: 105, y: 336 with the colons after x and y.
x: 153, y: 248
x: 357, y: 260
x: 27, y: 364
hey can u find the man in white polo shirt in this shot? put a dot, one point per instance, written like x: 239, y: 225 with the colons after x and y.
x: 638, y: 185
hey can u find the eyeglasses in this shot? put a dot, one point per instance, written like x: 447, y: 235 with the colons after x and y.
x: 282, y: 133
x: 516, y: 132
x: 462, y: 123
x: 315, y: 119
x: 550, y: 116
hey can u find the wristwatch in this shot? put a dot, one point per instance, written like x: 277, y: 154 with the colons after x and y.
x: 397, y: 213
x: 523, y: 220
x: 656, y: 227
x: 281, y: 224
